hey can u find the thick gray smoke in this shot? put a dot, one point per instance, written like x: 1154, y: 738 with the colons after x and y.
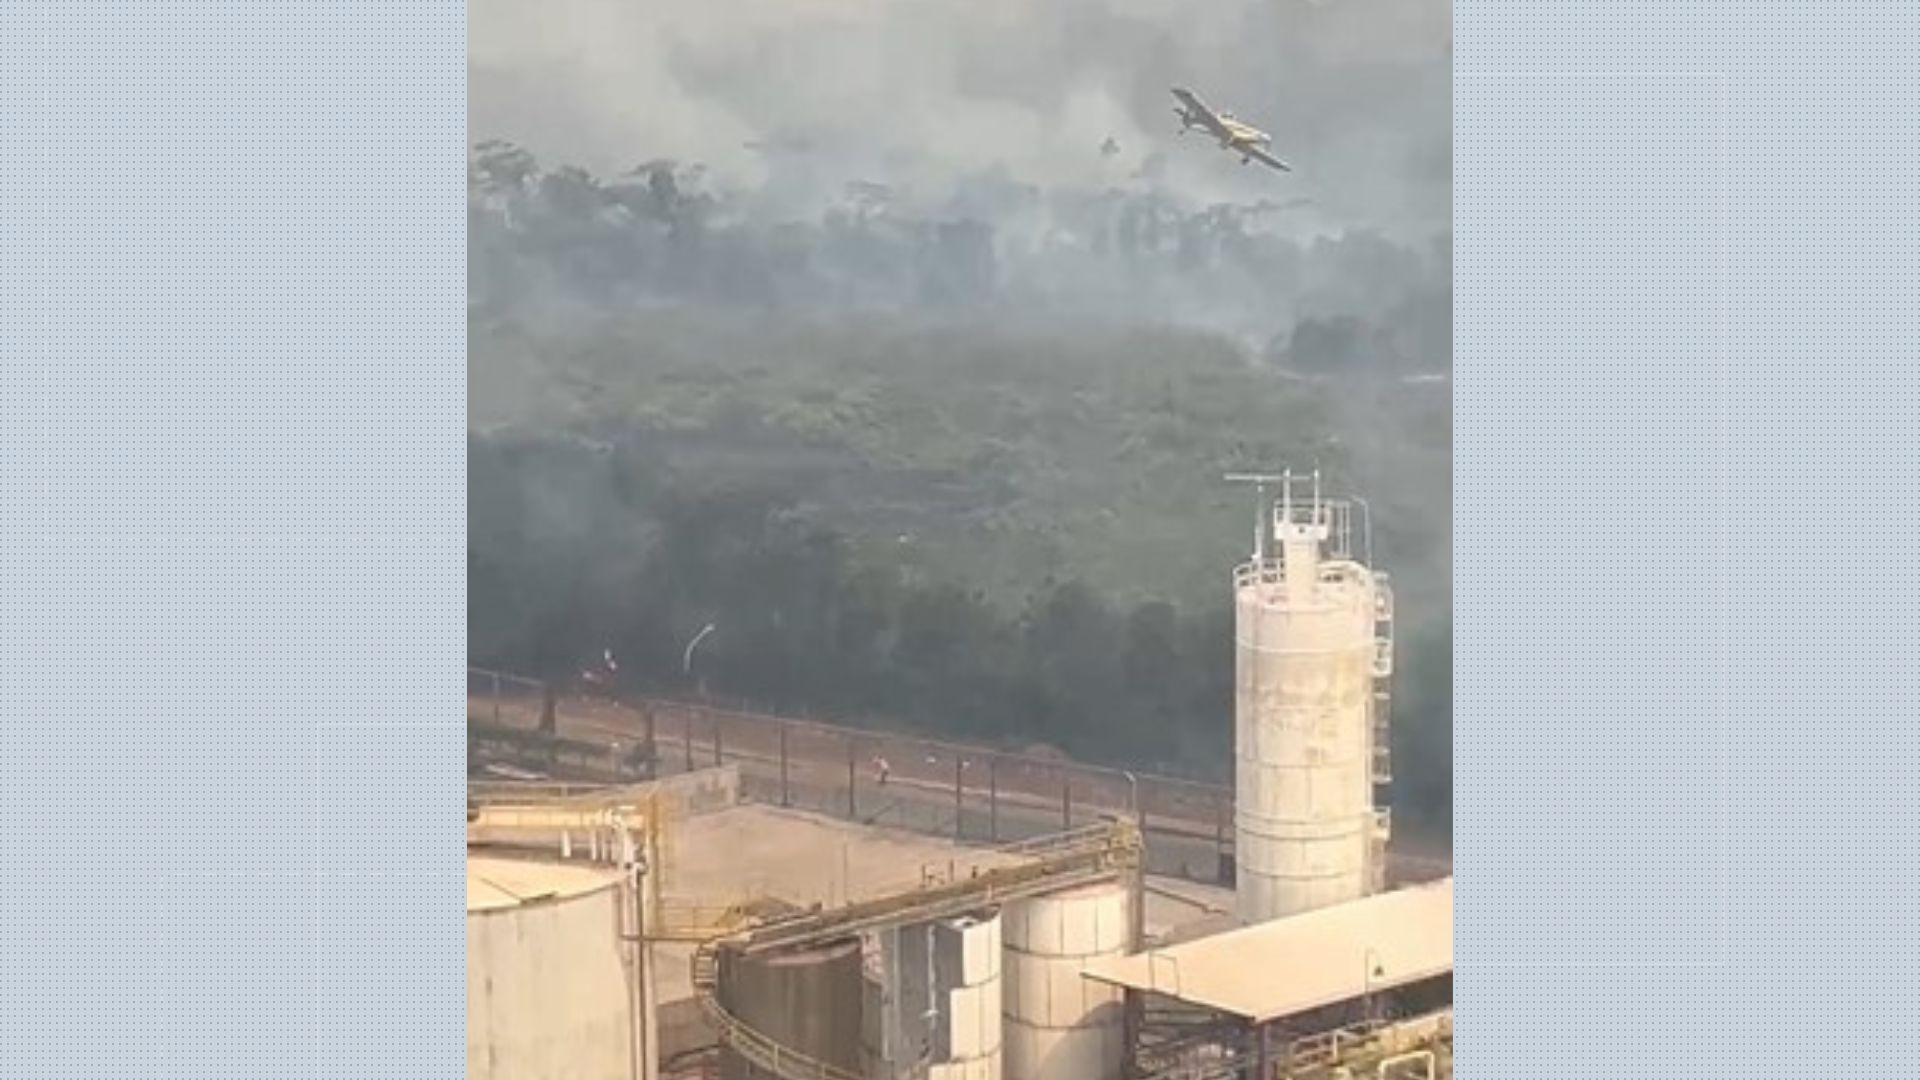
x: 941, y: 274
x: 796, y: 98
x: 842, y: 166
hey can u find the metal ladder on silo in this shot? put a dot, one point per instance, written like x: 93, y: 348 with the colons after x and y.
x: 1382, y: 726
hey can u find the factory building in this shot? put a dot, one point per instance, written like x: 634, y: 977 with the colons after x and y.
x: 679, y: 929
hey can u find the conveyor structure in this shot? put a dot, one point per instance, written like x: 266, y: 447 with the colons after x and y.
x: 1096, y: 854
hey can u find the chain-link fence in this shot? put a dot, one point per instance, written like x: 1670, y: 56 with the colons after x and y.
x: 876, y: 778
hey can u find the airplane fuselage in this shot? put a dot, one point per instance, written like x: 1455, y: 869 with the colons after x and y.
x: 1238, y: 134
x: 1233, y: 135
x: 1243, y: 134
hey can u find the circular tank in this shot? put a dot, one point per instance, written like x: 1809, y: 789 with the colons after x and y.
x: 806, y: 1000
x: 972, y: 1019
x: 547, y: 989
x: 1304, y: 656
x: 1057, y: 1025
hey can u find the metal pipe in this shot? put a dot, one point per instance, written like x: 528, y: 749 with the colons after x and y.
x: 638, y: 942
x: 1366, y: 528
x: 993, y: 799
x: 1372, y: 968
x: 932, y: 1016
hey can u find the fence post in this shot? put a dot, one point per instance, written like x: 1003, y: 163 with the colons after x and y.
x: 853, y: 806
x: 496, y: 699
x: 993, y: 798
x: 959, y: 765
x: 785, y: 798
x: 716, y: 742
x: 1226, y: 872
x: 688, y: 743
x: 1066, y: 800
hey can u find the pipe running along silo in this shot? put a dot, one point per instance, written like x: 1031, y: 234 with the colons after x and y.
x: 807, y: 1000
x: 1313, y: 650
x: 1059, y: 1026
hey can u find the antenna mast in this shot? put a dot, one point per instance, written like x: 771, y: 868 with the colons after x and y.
x: 1262, y: 512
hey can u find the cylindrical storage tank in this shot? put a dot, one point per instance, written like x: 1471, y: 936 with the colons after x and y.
x: 971, y: 1029
x: 548, y: 996
x: 805, y: 1000
x: 1304, y: 671
x: 935, y: 1000
x: 1058, y: 1025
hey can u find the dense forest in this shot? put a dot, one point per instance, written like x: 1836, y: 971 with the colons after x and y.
x: 954, y: 465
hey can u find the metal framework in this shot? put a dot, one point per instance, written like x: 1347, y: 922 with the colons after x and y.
x: 1099, y: 853
x: 1208, y: 1048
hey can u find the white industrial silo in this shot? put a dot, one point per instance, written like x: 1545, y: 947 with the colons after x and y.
x: 1313, y: 652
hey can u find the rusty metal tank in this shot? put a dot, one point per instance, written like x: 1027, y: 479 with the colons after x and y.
x: 808, y: 1001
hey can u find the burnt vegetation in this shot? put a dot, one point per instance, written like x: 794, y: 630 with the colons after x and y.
x: 951, y: 464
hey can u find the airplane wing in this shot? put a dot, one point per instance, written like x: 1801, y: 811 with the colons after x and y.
x: 1265, y: 158
x: 1199, y: 112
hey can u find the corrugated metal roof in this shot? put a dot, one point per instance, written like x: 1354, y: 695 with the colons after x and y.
x: 1301, y: 962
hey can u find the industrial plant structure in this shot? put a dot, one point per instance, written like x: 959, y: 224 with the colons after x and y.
x: 677, y: 928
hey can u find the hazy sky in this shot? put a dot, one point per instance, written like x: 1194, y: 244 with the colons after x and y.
x: 917, y: 93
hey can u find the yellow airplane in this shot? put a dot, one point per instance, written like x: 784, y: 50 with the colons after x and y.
x: 1233, y: 135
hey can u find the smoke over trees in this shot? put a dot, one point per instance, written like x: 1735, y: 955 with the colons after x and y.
x: 926, y: 406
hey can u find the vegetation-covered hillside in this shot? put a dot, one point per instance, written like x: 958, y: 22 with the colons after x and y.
x: 930, y: 468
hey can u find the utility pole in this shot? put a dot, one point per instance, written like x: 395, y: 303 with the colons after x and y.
x: 1260, y: 506
x: 686, y: 659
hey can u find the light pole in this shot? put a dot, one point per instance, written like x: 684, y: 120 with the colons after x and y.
x: 1373, y: 971
x: 686, y: 660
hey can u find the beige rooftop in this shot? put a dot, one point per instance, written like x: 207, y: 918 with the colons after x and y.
x: 503, y: 883
x: 1305, y: 961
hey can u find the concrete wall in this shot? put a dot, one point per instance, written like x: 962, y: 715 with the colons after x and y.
x: 547, y: 992
x: 682, y: 795
x: 685, y: 795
